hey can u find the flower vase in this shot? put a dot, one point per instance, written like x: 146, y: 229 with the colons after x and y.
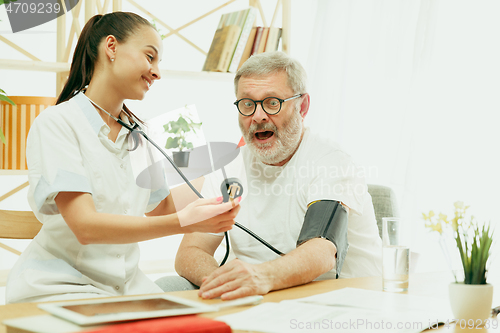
x: 181, y: 158
x: 471, y: 301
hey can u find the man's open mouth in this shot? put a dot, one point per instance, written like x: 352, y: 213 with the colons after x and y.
x: 264, y: 135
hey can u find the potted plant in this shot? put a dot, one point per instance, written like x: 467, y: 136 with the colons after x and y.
x: 472, y: 298
x: 3, y: 97
x: 180, y: 128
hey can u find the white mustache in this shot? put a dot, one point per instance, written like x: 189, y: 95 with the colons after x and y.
x: 262, y: 127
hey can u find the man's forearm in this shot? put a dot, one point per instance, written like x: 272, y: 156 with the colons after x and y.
x: 302, y: 265
x: 194, y: 264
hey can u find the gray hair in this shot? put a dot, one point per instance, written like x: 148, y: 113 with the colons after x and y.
x: 271, y: 62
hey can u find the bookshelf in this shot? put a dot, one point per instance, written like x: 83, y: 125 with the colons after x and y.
x: 68, y: 31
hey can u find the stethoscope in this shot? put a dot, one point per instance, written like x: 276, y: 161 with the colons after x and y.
x: 135, y: 127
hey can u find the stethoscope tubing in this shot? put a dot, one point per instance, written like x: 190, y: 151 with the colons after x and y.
x: 137, y: 128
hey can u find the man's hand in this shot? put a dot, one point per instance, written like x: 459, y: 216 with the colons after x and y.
x: 234, y: 280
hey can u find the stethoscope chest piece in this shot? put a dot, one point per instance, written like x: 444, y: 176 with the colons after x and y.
x: 231, y: 189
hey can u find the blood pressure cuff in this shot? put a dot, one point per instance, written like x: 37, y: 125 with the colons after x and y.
x: 327, y: 219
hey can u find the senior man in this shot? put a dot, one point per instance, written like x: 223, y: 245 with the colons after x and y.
x: 303, y: 194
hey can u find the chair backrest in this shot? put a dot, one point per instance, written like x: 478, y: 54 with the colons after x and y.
x: 384, y: 203
x: 18, y: 224
x: 16, y: 122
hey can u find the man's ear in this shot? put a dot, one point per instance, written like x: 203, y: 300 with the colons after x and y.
x: 110, y: 45
x: 304, y: 107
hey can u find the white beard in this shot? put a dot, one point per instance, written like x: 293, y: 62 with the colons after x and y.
x: 285, y: 145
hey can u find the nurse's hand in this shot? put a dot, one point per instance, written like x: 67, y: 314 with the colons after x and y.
x: 209, y: 215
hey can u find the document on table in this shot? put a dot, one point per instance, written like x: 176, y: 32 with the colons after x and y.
x: 347, y: 309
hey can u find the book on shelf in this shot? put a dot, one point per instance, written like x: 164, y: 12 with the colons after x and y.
x: 248, y: 47
x: 236, y: 39
x: 222, y: 48
x: 273, y: 39
x: 263, y: 40
x: 256, y: 42
x: 229, y: 40
x: 250, y: 15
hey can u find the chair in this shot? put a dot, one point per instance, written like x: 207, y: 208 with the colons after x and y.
x: 16, y: 225
x: 16, y: 122
x: 384, y: 203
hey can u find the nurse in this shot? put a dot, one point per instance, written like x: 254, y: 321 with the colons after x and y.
x: 82, y: 186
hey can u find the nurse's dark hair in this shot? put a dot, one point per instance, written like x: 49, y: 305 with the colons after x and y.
x: 119, y: 24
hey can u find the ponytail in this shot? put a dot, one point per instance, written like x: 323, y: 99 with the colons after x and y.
x: 82, y: 65
x: 119, y: 24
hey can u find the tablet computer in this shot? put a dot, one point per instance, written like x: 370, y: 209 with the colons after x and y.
x: 107, y: 310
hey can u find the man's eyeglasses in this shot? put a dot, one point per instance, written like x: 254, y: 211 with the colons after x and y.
x: 270, y: 105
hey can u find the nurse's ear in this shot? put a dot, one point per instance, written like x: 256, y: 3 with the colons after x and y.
x: 110, y: 45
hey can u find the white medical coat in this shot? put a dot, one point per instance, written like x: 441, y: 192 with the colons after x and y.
x: 68, y: 150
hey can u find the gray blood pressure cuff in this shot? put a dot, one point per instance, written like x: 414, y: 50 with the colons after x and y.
x: 327, y: 219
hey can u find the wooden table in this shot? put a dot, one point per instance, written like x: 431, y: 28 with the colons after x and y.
x: 432, y: 285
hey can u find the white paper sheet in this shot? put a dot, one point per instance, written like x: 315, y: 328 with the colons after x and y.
x: 345, y: 310
x: 378, y: 300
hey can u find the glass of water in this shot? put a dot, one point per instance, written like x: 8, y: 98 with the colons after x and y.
x: 395, y: 255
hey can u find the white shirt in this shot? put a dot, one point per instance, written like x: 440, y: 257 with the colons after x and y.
x: 275, y: 201
x: 68, y: 150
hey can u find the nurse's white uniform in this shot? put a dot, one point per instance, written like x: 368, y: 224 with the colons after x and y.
x: 68, y: 150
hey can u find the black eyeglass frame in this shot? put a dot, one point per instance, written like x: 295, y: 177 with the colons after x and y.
x: 262, y: 105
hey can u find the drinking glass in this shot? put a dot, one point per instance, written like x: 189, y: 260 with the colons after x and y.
x: 395, y: 255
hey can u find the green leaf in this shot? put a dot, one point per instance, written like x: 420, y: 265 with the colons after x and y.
x: 462, y: 253
x: 180, y: 127
x: 486, y: 241
x: 2, y: 137
x: 6, y: 2
x: 3, y: 97
x: 176, y: 129
x: 475, y: 261
x: 172, y: 143
x: 473, y: 241
x: 195, y: 126
x: 183, y: 124
x: 6, y: 99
